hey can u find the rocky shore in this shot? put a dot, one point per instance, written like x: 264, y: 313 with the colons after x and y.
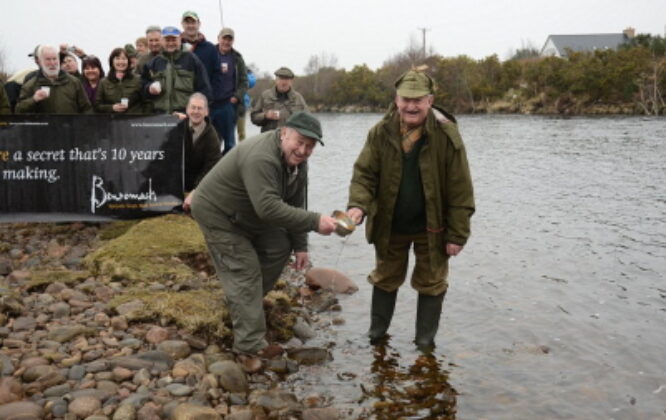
x: 126, y: 320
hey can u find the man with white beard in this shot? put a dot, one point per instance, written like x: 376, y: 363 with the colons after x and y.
x: 53, y: 91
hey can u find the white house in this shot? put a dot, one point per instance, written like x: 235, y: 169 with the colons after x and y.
x: 557, y: 45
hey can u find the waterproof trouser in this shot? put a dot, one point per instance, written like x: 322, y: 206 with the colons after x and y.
x: 247, y: 269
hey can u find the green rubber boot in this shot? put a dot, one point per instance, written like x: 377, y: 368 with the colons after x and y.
x: 428, y: 312
x: 381, y: 313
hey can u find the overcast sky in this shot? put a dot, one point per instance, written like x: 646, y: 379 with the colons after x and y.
x: 274, y: 33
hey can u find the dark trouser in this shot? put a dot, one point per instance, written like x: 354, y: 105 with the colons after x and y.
x: 223, y: 115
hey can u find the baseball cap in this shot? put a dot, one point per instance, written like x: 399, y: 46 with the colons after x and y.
x: 306, y: 124
x: 226, y: 32
x: 170, y: 31
x: 191, y: 14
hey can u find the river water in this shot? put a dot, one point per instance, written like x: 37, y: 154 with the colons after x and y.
x: 556, y: 307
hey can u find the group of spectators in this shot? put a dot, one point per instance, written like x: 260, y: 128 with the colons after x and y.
x: 411, y: 180
x: 159, y: 73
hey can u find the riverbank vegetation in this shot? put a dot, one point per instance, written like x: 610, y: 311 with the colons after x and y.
x: 630, y: 80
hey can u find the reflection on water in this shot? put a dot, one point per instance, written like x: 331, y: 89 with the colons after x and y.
x: 420, y: 390
x: 556, y: 308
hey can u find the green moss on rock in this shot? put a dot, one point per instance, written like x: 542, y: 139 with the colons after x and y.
x: 114, y: 230
x: 40, y: 279
x: 148, y: 251
x: 280, y: 319
x: 10, y: 302
x: 197, y: 311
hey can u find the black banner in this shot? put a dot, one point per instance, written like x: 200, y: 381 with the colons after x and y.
x: 89, y: 167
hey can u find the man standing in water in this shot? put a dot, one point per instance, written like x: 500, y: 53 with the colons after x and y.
x: 251, y: 210
x: 413, y: 184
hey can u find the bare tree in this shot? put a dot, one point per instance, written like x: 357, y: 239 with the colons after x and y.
x: 527, y: 50
x: 321, y: 61
x: 319, y: 69
x: 650, y: 96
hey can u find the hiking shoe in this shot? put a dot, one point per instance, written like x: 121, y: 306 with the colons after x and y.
x: 271, y: 351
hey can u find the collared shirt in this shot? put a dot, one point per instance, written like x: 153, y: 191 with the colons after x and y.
x: 293, y: 174
x: 196, y: 130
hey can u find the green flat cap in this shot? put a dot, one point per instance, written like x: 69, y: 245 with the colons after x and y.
x: 414, y: 84
x: 306, y: 124
x: 190, y: 14
x: 284, y: 72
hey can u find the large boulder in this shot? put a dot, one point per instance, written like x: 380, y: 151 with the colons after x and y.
x: 330, y: 279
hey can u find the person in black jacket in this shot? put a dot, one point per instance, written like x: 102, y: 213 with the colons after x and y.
x: 201, y: 143
x: 229, y: 87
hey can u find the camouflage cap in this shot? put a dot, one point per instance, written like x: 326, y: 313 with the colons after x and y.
x: 414, y: 84
x: 190, y: 14
x: 306, y: 124
x: 284, y: 72
x: 226, y: 32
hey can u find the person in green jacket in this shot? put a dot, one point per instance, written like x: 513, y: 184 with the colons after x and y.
x: 52, y: 91
x: 251, y: 210
x: 173, y: 75
x: 412, y: 183
x: 275, y: 105
x: 120, y: 90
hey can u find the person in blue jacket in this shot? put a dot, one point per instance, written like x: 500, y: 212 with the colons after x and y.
x: 240, y: 124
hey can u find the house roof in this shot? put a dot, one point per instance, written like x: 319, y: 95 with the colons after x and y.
x: 588, y: 42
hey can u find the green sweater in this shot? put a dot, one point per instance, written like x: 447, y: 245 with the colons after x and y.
x: 248, y: 191
x: 409, y: 213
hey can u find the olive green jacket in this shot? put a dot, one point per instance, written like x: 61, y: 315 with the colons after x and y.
x: 65, y: 97
x: 269, y: 101
x: 181, y: 74
x: 110, y: 91
x: 4, y: 102
x: 248, y: 191
x: 447, y: 184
